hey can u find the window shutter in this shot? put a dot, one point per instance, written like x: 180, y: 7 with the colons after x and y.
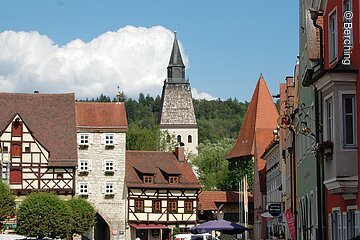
x: 103, y: 167
x: 115, y: 139
x: 357, y: 223
x: 339, y: 225
x: 104, y: 188
x: 91, y: 138
x: 89, y: 164
x: 103, y: 139
x: 78, y: 188
x: 344, y: 223
x: 330, y: 226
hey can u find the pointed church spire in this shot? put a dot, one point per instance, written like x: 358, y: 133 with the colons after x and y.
x: 176, y: 59
x: 176, y: 68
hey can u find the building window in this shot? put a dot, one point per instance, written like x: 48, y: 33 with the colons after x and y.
x: 347, y: 6
x: 27, y: 149
x: 351, y: 226
x: 178, y: 138
x: 156, y: 206
x: 139, y: 206
x: 349, y: 120
x: 83, y: 165
x: 109, y: 188
x: 188, y: 206
x: 109, y: 165
x: 336, y: 225
x: 83, y: 188
x: 5, y: 171
x: 172, y: 206
x: 109, y: 139
x: 5, y: 149
x: 148, y: 179
x: 84, y: 138
x: 173, y: 179
x: 332, y: 36
x: 329, y: 117
x: 189, y: 139
x: 17, y: 128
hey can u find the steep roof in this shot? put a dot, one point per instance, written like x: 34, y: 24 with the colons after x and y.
x: 261, y: 114
x: 51, y: 120
x: 208, y: 199
x: 161, y: 164
x: 176, y: 59
x: 101, y: 116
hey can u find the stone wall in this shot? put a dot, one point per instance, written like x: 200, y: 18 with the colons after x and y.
x: 111, y: 208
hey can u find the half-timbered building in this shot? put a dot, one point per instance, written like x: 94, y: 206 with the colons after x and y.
x: 101, y: 136
x: 162, y: 193
x: 38, y: 142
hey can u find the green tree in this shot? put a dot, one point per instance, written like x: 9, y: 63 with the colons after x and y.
x: 238, y: 168
x: 7, y: 201
x: 138, y: 138
x: 83, y: 215
x: 42, y: 215
x: 211, y: 164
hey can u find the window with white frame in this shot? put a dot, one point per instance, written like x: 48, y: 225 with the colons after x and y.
x: 109, y: 188
x: 329, y: 118
x: 83, y: 188
x: 109, y: 165
x: 84, y: 138
x: 332, y: 36
x: 109, y: 139
x: 349, y: 118
x: 347, y: 6
x: 351, y: 223
x: 84, y: 165
x: 336, y: 226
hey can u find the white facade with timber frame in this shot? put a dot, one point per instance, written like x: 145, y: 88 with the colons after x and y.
x: 162, y: 194
x: 34, y: 134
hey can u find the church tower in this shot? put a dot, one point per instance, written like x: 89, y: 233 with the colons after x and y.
x: 177, y: 114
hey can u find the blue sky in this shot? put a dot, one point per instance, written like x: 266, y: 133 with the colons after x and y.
x: 227, y: 43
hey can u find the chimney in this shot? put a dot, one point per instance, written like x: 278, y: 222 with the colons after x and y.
x: 180, y: 154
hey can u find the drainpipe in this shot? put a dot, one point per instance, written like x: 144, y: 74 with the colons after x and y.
x: 319, y: 167
x: 293, y: 177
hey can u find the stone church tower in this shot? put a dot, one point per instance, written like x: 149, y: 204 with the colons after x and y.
x: 177, y: 111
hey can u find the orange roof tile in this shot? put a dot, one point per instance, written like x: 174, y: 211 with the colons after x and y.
x: 261, y: 114
x: 208, y: 199
x: 105, y: 116
x: 140, y: 163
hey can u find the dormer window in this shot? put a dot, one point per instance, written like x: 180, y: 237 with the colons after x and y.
x: 173, y: 179
x: 148, y: 179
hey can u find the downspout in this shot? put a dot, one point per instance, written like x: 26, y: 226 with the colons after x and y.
x: 293, y: 177
x: 319, y: 167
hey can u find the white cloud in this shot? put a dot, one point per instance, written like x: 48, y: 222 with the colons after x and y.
x: 201, y: 95
x: 133, y: 58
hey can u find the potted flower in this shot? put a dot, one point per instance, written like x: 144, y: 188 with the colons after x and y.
x: 324, y: 148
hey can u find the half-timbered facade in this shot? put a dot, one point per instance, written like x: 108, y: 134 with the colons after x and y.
x: 101, y: 136
x: 162, y: 193
x: 38, y: 142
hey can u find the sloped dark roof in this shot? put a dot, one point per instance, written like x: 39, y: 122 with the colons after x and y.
x: 51, y: 120
x: 261, y: 114
x: 176, y: 59
x: 101, y: 116
x: 140, y: 163
x: 208, y: 199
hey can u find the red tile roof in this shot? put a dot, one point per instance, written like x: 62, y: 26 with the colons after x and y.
x: 50, y: 119
x: 261, y: 114
x: 139, y: 163
x: 208, y: 199
x: 101, y: 116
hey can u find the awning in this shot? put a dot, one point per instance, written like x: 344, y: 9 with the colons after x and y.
x: 148, y: 226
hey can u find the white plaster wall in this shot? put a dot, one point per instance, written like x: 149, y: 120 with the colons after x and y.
x: 184, y: 133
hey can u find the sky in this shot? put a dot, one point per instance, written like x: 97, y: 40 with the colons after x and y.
x: 91, y: 47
